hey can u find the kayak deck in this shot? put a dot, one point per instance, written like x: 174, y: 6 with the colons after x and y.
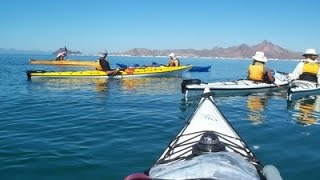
x: 162, y: 71
x: 207, y: 117
x: 195, y: 155
x: 301, y: 88
x: 64, y: 62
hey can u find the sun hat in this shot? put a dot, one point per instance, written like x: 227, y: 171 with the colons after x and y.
x: 61, y: 54
x: 173, y: 56
x: 259, y: 56
x: 310, y: 52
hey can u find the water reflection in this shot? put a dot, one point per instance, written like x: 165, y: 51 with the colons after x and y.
x: 306, y: 111
x: 152, y: 85
x: 60, y: 84
x: 256, y: 105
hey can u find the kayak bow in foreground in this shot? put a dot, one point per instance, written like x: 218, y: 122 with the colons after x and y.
x: 208, y: 147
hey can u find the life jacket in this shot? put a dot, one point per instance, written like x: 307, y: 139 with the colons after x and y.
x: 173, y: 62
x: 102, y: 65
x: 256, y: 72
x: 310, y: 71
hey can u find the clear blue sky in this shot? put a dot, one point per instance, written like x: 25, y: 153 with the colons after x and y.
x: 118, y: 25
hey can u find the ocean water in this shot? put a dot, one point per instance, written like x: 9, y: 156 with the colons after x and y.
x: 108, y: 129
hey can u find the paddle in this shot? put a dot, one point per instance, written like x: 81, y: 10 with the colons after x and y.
x: 115, y: 72
x: 65, y: 48
x: 280, y: 72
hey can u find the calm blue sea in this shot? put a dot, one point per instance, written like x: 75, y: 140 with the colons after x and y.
x: 108, y: 129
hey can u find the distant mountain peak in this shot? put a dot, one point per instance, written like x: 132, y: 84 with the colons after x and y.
x: 63, y: 50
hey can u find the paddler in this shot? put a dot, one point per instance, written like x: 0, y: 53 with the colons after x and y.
x: 60, y: 56
x: 308, y: 68
x: 258, y: 71
x: 103, y: 64
x: 174, y: 61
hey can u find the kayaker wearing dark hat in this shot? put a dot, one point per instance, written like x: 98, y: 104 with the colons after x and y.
x: 258, y: 71
x: 103, y: 64
x: 307, y: 69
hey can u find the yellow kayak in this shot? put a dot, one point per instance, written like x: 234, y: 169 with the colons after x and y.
x: 63, y: 62
x: 161, y: 71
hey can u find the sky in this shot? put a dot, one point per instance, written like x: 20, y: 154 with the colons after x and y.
x: 119, y: 25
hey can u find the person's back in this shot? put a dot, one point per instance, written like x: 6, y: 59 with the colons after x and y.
x: 103, y: 64
x: 60, y: 56
x: 174, y: 61
x: 308, y: 69
x: 258, y: 71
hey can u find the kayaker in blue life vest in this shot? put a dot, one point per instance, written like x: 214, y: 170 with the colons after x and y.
x: 174, y: 61
x: 308, y: 68
x: 258, y: 71
x: 103, y: 64
x: 60, y: 56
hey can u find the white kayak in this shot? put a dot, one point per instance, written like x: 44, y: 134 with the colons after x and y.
x: 301, y: 88
x: 208, y: 147
x: 242, y: 86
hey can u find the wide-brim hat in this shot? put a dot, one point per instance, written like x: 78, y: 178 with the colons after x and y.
x: 61, y: 54
x: 173, y: 56
x: 259, y: 56
x: 310, y: 52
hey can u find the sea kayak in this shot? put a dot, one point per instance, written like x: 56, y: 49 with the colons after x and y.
x: 234, y: 87
x: 301, y: 88
x: 162, y: 71
x: 64, y: 62
x: 200, y: 69
x: 208, y: 147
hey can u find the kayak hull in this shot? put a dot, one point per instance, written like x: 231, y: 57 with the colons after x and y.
x: 127, y: 73
x: 200, y: 69
x: 64, y: 62
x: 300, y: 88
x: 237, y: 87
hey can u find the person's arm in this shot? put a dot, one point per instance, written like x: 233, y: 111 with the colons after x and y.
x: 113, y: 72
x: 296, y: 72
x: 318, y: 76
x: 270, y: 77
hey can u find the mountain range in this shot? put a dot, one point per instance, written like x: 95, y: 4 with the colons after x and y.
x: 27, y: 52
x: 271, y: 51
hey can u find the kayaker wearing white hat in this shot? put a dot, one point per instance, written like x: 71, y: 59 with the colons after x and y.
x: 60, y: 56
x: 258, y: 71
x: 308, y: 68
x: 103, y: 64
x: 174, y: 61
